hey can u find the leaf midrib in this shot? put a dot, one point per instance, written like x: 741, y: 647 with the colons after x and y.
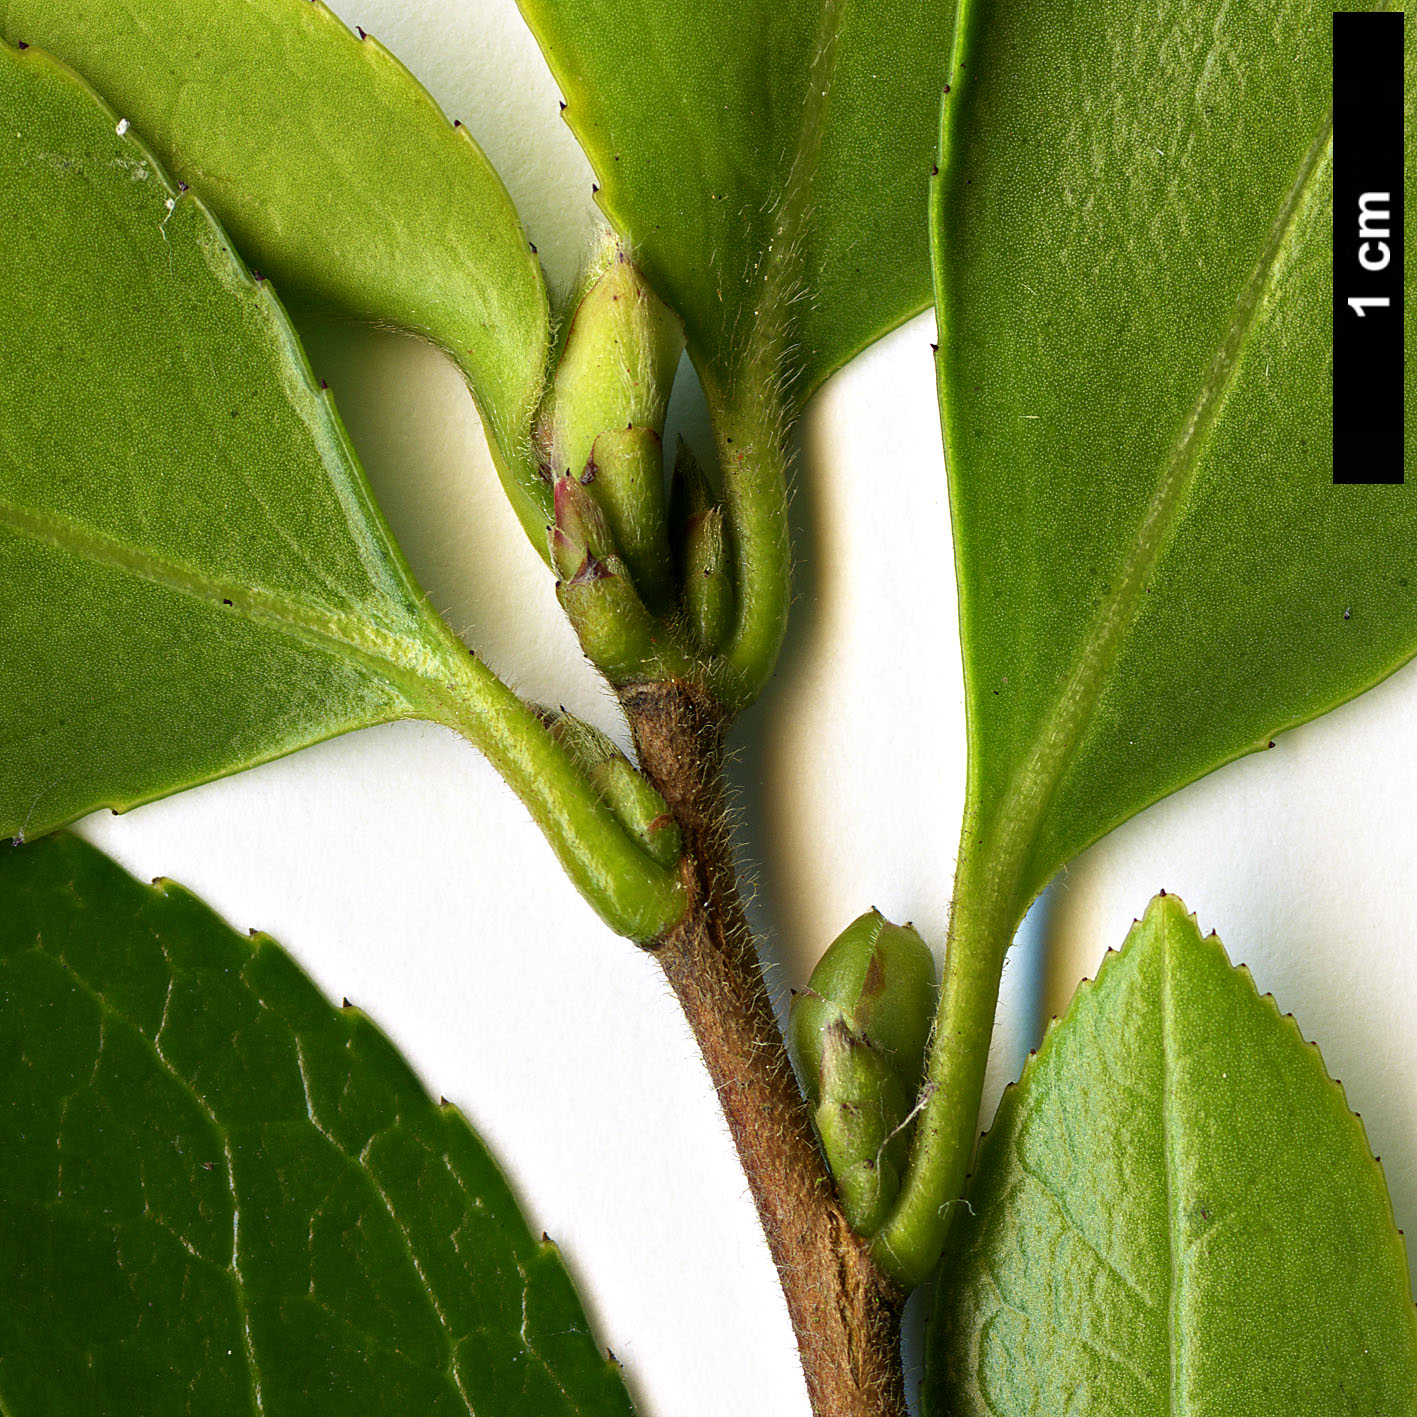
x: 758, y: 358
x: 351, y: 637
x: 766, y: 348
x: 1035, y: 785
x: 1170, y: 1131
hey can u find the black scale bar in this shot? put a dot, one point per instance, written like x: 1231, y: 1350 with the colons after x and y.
x: 1368, y: 349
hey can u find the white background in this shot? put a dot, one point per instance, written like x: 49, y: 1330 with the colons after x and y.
x: 401, y: 872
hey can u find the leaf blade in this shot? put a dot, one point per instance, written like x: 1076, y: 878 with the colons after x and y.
x: 805, y: 202
x: 196, y: 582
x: 187, y: 534
x: 332, y: 168
x: 1157, y: 574
x: 351, y: 1241
x: 1205, y: 1231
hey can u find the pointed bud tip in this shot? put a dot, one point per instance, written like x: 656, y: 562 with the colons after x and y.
x: 568, y: 557
x: 562, y: 491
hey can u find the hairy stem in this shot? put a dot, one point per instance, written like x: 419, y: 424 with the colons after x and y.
x: 845, y: 1311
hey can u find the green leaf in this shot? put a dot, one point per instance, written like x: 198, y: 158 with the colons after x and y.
x: 333, y: 170
x: 1133, y: 238
x: 1175, y: 1212
x: 769, y: 162
x: 222, y: 1195
x: 1132, y: 234
x: 196, y: 578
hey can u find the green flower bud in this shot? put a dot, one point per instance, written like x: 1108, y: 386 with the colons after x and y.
x: 643, y: 811
x: 859, y: 1120
x: 637, y: 806
x: 708, y: 583
x: 619, y: 636
x: 616, y: 367
x: 882, y: 979
x: 858, y: 1034
x: 699, y: 531
x: 625, y: 475
x: 583, y: 741
x: 689, y: 494
x: 581, y: 532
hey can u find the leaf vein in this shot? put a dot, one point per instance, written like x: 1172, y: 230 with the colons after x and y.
x: 1175, y: 1331
x: 1061, y: 738
x: 107, y: 1010
x: 1041, y: 1181
x: 350, y: 636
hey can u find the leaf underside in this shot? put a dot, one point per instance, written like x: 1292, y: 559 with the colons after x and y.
x: 221, y: 1195
x: 1132, y: 234
x: 197, y: 577
x: 331, y: 167
x: 768, y: 161
x: 1175, y: 1213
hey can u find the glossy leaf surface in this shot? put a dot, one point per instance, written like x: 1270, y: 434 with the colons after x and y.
x: 197, y: 578
x: 223, y: 1195
x: 1132, y: 234
x: 769, y: 162
x: 1174, y: 1213
x: 333, y: 170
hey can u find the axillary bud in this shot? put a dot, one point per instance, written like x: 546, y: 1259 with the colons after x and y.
x: 637, y: 806
x: 858, y: 1035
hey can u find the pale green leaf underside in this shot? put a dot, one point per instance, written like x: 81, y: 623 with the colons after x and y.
x: 222, y: 1196
x: 197, y: 578
x: 1133, y: 236
x: 768, y: 161
x: 1176, y: 1214
x: 331, y: 167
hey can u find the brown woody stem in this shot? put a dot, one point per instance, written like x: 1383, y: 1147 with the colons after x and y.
x: 844, y: 1310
